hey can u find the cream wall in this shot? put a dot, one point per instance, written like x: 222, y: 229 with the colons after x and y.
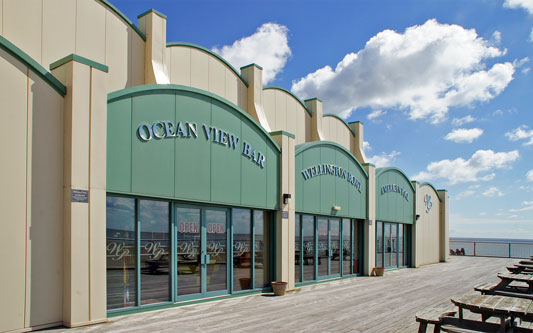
x: 427, y: 226
x: 193, y: 67
x: 285, y: 113
x: 48, y: 30
x: 30, y: 198
x: 335, y: 130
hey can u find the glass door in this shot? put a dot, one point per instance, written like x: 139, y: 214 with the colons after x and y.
x: 202, y: 256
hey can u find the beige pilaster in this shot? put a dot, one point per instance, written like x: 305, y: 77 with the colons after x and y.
x: 85, y: 123
x: 253, y: 74
x: 415, y: 230
x: 358, y: 141
x: 369, y: 229
x: 154, y: 26
x: 315, y: 106
x: 285, y: 236
x: 444, y: 225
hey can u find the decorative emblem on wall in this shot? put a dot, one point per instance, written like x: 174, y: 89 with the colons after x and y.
x: 427, y: 202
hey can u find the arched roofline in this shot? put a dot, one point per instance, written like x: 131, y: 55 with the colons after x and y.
x: 381, y: 171
x: 342, y: 120
x: 208, y: 51
x: 433, y: 187
x: 293, y: 95
x: 33, y: 65
x: 124, y: 18
x: 305, y: 146
x: 140, y: 90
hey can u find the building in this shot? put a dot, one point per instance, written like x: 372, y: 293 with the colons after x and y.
x: 139, y: 172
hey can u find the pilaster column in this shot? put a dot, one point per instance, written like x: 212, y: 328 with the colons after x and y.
x: 285, y: 219
x: 315, y: 106
x: 253, y: 74
x: 84, y: 183
x: 369, y: 236
x: 444, y: 225
x: 154, y: 25
x: 358, y: 144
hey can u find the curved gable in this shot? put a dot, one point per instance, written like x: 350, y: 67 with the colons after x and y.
x: 184, y: 143
x: 328, y: 175
x: 395, y: 196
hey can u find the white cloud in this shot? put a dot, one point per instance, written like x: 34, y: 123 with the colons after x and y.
x: 367, y: 146
x: 525, y: 4
x: 493, y: 192
x: 529, y: 175
x: 467, y: 193
x: 519, y: 63
x: 531, y: 35
x: 461, y: 135
x: 383, y: 159
x: 376, y: 114
x: 521, y: 133
x: 524, y: 209
x: 479, y: 167
x: 462, y: 121
x: 268, y: 47
x: 527, y: 203
x: 497, y: 37
x: 425, y: 70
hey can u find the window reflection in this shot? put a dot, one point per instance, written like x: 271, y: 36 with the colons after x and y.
x: 120, y: 252
x: 297, y: 250
x: 242, y: 260
x: 346, y: 246
x: 261, y: 253
x: 308, y: 237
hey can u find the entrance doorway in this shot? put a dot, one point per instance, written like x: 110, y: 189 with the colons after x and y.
x: 202, y: 255
x: 328, y: 248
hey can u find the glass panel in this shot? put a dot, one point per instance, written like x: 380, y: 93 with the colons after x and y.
x: 155, y: 241
x: 323, y: 248
x: 120, y: 252
x: 308, y: 236
x: 394, y: 244
x: 297, y: 248
x: 356, y: 246
x: 346, y: 246
x: 261, y: 252
x: 379, y: 244
x: 335, y: 245
x: 242, y: 259
x: 216, y: 240
x: 400, y: 245
x: 388, y: 245
x: 188, y: 250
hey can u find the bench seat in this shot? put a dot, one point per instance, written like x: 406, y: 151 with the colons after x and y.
x: 433, y: 316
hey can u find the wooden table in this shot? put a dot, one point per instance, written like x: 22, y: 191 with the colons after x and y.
x: 508, y: 278
x: 498, y: 306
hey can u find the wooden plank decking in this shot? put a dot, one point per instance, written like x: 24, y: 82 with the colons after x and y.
x: 362, y: 304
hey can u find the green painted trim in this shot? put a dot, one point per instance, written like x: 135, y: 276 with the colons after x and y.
x: 312, y: 99
x: 29, y: 62
x: 293, y: 95
x: 442, y: 189
x: 81, y: 60
x: 290, y: 135
x: 380, y: 171
x: 303, y: 147
x: 198, y: 47
x: 433, y: 187
x: 166, y: 305
x: 343, y: 121
x: 152, y: 11
x: 252, y: 64
x: 124, y: 17
x: 355, y: 122
x: 139, y: 90
x: 366, y: 164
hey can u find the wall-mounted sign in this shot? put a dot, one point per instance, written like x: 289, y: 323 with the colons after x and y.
x: 427, y: 202
x: 393, y: 188
x: 331, y: 169
x: 167, y: 130
x: 79, y: 196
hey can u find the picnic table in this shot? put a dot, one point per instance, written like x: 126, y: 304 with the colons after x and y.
x: 508, y: 278
x: 506, y: 308
x: 521, y: 267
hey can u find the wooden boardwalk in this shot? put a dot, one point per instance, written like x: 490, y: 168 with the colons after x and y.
x: 361, y: 304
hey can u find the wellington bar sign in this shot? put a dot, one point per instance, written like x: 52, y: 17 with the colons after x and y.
x: 167, y: 130
x: 395, y: 189
x: 331, y: 169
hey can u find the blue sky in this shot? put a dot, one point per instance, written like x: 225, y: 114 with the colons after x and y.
x: 443, y: 87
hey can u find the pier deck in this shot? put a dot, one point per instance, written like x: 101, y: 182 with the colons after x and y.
x: 361, y: 304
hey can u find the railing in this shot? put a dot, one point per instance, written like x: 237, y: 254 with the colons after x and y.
x: 493, y: 249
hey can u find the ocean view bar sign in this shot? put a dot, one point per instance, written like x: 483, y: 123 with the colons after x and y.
x: 395, y: 189
x: 167, y: 129
x: 331, y: 169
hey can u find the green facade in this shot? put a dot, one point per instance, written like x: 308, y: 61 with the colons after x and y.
x: 321, y: 188
x: 395, y: 196
x: 192, y: 165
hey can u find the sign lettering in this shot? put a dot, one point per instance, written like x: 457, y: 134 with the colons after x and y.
x: 331, y: 169
x: 395, y: 189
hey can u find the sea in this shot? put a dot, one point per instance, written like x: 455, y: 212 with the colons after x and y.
x: 493, y: 247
